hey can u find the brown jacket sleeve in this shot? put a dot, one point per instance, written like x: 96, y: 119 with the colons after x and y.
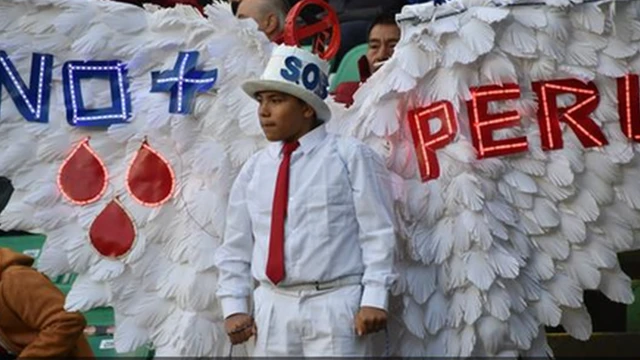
x: 41, y: 306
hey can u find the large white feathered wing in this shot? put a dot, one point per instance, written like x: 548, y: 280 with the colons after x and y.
x: 163, y: 290
x: 497, y: 248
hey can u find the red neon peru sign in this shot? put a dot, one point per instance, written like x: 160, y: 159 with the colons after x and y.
x: 550, y: 115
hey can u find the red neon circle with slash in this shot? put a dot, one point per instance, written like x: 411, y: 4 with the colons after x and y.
x: 293, y: 35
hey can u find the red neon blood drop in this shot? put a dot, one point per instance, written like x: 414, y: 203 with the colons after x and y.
x: 112, y: 232
x: 150, y: 179
x: 82, y: 178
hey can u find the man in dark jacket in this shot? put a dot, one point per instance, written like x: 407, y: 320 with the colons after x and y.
x: 33, y: 322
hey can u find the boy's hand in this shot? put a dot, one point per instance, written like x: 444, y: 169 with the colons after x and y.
x: 370, y: 320
x: 240, y: 328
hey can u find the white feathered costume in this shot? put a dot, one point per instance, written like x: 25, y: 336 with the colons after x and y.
x: 490, y: 252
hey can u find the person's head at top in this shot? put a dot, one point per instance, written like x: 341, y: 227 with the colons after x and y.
x: 291, y: 94
x: 269, y: 14
x: 384, y: 34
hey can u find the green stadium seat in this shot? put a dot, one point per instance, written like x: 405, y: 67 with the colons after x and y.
x: 26, y: 244
x: 31, y: 245
x: 348, y: 68
x: 103, y: 347
x: 102, y: 316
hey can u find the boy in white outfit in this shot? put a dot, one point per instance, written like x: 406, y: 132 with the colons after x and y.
x: 321, y: 245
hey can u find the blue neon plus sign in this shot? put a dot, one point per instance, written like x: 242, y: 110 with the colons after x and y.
x: 183, y: 82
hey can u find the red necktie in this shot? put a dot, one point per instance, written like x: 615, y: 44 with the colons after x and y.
x: 275, y: 263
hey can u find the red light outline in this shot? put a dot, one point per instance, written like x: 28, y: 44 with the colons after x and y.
x: 84, y: 143
x: 627, y: 105
x: 567, y: 115
x: 146, y: 146
x: 477, y: 125
x: 133, y: 224
x: 427, y: 159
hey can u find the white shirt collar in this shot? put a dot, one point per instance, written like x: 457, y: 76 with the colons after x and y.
x: 307, y: 143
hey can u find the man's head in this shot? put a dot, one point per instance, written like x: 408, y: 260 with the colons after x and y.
x: 269, y: 14
x: 284, y: 117
x: 384, y: 34
x: 291, y: 93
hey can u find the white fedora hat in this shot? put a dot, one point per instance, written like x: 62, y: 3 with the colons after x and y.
x: 296, y: 72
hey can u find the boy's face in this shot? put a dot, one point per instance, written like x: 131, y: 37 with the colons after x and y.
x: 284, y: 117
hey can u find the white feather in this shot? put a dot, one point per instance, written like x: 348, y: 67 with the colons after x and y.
x: 517, y: 294
x: 588, y: 17
x: 523, y: 329
x: 580, y: 267
x: 611, y: 67
x: 541, y: 68
x: 572, y: 227
x: 472, y: 305
x: 521, y: 181
x: 577, y: 323
x: 618, y: 49
x: 555, y: 246
x: 602, y: 192
x: 414, y: 60
x: 600, y: 251
x: 197, y: 334
x: 502, y: 212
x: 547, y: 309
x: 440, y: 243
x: 489, y: 14
x: 550, y: 46
x: 465, y: 190
x: 128, y: 335
x: 53, y: 260
x: 478, y: 35
x: 106, y: 269
x: 467, y: 341
x: 413, y: 317
x: 480, y: 272
x: 584, y: 206
x: 566, y: 291
x: 618, y: 229
x: 604, y: 167
x: 86, y: 294
x: 457, y: 50
x: 498, y: 302
x: 541, y: 266
x: 421, y: 281
x: 454, y: 274
x: 491, y: 332
x: 435, y: 314
x: 530, y: 17
x: 554, y: 193
x: 616, y: 285
x: 445, y: 25
x: 518, y: 40
x: 505, y: 264
x: 558, y: 24
x: 545, y: 213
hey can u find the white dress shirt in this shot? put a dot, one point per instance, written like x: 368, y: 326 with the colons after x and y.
x: 339, y: 220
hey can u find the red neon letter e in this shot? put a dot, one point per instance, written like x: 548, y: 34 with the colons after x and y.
x: 426, y: 143
x: 576, y: 116
x: 484, y: 124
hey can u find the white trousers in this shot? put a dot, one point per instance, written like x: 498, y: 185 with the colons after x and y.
x: 308, y: 322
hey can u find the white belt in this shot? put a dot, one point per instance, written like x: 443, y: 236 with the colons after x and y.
x: 339, y: 282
